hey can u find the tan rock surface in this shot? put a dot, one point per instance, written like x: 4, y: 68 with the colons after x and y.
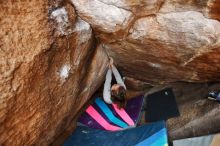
x: 210, y: 8
x: 178, y: 40
x: 137, y: 7
x: 179, y: 33
x: 104, y: 17
x: 50, y: 64
x: 45, y: 78
x: 199, y: 116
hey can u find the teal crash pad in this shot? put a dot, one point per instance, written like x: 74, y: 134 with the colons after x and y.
x: 153, y: 134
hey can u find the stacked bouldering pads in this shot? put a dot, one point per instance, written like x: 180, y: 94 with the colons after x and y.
x: 106, y: 125
x: 100, y: 115
x: 153, y: 134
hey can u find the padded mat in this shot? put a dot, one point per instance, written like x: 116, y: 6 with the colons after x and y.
x: 161, y: 106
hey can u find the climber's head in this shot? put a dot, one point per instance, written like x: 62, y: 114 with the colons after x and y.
x: 118, y: 94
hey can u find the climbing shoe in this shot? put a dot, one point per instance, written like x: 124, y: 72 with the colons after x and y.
x: 213, y: 95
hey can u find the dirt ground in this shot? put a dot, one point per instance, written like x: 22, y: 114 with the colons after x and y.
x: 198, y: 115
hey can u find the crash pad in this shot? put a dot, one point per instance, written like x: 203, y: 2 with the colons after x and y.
x: 208, y: 140
x: 153, y: 134
x: 161, y: 105
x: 133, y: 109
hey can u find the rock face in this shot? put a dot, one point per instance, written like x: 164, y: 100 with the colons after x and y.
x: 182, y: 35
x: 177, y: 40
x: 199, y: 116
x: 107, y: 18
x: 53, y: 55
x: 49, y: 69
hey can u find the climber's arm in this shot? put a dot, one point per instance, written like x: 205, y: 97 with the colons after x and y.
x: 118, y: 76
x: 107, y: 87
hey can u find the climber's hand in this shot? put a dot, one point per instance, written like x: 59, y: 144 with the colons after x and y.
x: 111, y: 62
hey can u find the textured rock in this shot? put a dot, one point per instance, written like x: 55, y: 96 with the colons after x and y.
x: 210, y: 8
x: 199, y: 116
x: 179, y: 33
x: 50, y: 65
x: 107, y: 18
x: 45, y: 77
x: 139, y: 8
x: 185, y: 47
x: 214, y: 9
x: 178, y: 40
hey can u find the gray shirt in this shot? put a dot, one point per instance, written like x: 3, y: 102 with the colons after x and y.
x: 107, y: 84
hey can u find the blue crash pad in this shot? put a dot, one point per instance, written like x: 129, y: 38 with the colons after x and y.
x: 153, y: 134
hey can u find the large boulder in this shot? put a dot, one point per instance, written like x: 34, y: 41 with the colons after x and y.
x: 188, y: 49
x: 49, y: 69
x: 104, y: 17
x: 167, y: 41
x: 53, y: 55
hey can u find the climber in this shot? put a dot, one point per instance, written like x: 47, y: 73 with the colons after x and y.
x: 117, y: 92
